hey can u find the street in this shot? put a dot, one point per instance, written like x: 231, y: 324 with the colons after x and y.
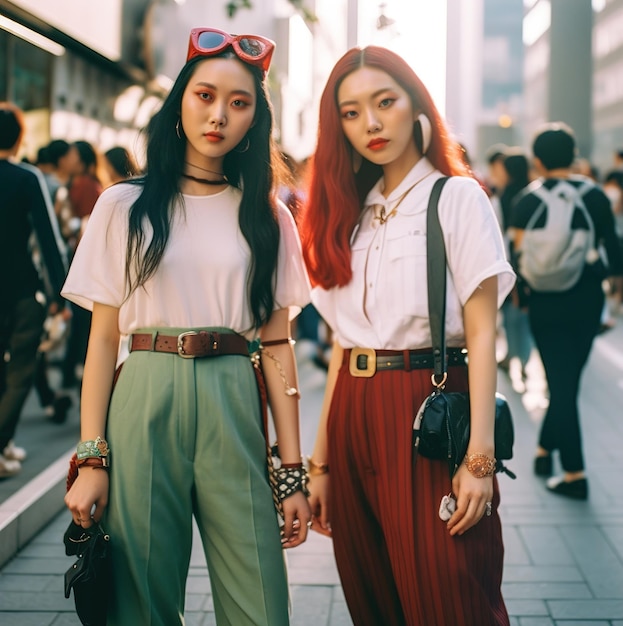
x: 563, y: 561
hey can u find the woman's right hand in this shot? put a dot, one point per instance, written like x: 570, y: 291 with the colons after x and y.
x: 88, y: 496
x: 318, y: 501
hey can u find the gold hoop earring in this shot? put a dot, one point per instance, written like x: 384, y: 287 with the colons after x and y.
x: 177, y: 128
x: 245, y: 148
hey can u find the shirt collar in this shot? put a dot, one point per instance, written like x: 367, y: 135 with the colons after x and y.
x: 422, y: 168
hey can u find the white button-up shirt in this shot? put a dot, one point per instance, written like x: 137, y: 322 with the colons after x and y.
x: 385, y: 306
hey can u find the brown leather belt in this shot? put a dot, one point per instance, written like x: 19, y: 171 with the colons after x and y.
x: 191, y: 344
x: 365, y: 362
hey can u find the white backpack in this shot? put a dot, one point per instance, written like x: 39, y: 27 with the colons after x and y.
x: 552, y: 258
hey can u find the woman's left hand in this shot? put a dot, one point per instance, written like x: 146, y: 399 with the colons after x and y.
x: 297, y: 515
x: 472, y: 494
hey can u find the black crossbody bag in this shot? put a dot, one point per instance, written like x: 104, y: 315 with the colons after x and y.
x: 441, y: 427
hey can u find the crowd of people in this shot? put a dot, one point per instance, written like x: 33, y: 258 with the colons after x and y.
x: 182, y: 341
x: 66, y: 180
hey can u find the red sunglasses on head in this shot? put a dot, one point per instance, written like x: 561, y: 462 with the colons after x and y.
x: 251, y: 49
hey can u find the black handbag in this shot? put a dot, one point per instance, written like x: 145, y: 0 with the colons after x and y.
x: 89, y: 576
x: 442, y: 425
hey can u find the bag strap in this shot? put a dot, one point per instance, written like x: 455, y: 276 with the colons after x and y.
x: 436, y: 281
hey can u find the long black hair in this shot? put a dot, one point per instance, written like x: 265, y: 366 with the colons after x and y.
x: 249, y: 167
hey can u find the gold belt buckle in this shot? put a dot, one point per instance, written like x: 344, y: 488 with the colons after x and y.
x: 369, y: 370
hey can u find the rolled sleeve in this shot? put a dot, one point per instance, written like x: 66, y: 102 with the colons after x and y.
x: 474, y: 244
x: 292, y: 287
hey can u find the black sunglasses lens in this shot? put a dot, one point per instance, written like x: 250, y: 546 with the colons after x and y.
x: 252, y: 47
x: 209, y: 40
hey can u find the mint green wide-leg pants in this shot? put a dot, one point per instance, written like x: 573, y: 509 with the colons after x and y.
x: 186, y: 438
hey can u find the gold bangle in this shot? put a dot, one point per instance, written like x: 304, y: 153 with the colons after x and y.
x: 316, y: 469
x: 480, y: 465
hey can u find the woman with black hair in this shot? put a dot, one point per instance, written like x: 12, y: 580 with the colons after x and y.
x: 192, y: 272
x: 119, y: 165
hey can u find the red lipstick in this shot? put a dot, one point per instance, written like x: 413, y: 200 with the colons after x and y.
x: 214, y: 137
x: 377, y: 144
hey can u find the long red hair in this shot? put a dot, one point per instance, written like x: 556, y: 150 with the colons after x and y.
x: 336, y: 191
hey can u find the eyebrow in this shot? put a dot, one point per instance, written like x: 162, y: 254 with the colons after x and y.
x: 378, y: 92
x: 242, y: 92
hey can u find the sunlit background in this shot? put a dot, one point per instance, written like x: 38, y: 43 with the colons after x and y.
x: 415, y: 29
x: 496, y: 69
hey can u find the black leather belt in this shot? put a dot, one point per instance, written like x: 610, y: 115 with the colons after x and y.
x: 365, y: 362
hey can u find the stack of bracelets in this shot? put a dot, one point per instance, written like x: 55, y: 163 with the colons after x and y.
x: 94, y: 453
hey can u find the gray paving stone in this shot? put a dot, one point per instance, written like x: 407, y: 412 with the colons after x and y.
x: 43, y: 600
x: 515, y: 552
x: 526, y: 608
x: 535, y: 621
x: 198, y: 584
x: 614, y: 534
x: 541, y: 573
x: 195, y: 601
x: 586, y: 609
x: 545, y: 545
x: 38, y: 566
x: 18, y: 582
x: 310, y: 605
x: 601, y: 567
x: 339, y: 614
x: 195, y: 619
x: 67, y: 619
x: 545, y: 591
x: 581, y: 623
x: 29, y: 619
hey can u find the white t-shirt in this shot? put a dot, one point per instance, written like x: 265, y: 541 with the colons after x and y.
x: 202, y: 277
x: 385, y: 306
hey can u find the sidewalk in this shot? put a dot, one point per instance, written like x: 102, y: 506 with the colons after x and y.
x: 563, y: 562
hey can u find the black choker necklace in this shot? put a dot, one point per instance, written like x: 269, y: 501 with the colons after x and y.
x: 203, y: 169
x: 205, y: 181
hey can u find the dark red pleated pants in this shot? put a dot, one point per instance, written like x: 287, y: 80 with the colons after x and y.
x: 397, y: 562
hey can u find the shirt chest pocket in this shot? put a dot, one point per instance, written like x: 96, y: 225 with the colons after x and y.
x: 406, y: 273
x: 360, y: 247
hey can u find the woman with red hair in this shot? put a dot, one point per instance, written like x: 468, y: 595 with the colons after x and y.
x: 381, y: 146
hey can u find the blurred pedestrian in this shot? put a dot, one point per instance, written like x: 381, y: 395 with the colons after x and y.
x: 381, y: 147
x: 25, y: 212
x: 496, y: 178
x: 514, y: 318
x: 564, y: 322
x: 201, y: 261
x: 119, y: 165
x: 84, y: 190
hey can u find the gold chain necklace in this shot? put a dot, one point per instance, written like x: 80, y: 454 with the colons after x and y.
x: 382, y: 217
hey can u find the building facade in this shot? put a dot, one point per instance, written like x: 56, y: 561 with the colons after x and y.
x: 484, y: 74
x: 66, y: 63
x: 99, y: 71
x: 607, y: 100
x: 558, y: 68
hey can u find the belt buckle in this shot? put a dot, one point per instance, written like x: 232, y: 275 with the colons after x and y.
x: 180, y: 344
x: 370, y: 369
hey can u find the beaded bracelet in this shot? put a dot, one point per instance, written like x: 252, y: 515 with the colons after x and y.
x: 289, y: 480
x: 93, y: 448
